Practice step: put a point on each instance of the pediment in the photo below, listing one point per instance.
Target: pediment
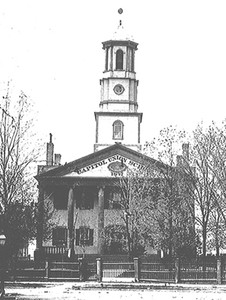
(112, 161)
(113, 165)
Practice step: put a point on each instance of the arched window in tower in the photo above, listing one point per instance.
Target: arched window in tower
(118, 130)
(119, 60)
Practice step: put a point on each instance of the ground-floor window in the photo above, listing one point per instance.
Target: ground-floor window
(59, 236)
(84, 236)
(115, 239)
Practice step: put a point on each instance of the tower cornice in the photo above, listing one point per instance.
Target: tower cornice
(111, 113)
(129, 43)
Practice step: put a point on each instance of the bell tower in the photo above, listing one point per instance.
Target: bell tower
(118, 119)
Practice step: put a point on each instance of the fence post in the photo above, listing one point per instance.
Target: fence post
(99, 270)
(177, 270)
(47, 270)
(219, 271)
(82, 269)
(136, 269)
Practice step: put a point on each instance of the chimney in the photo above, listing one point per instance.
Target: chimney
(49, 151)
(185, 151)
(57, 159)
(179, 160)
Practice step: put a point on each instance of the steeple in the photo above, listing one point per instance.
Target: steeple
(118, 119)
(121, 33)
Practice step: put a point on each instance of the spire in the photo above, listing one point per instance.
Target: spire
(120, 33)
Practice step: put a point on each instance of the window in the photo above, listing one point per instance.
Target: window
(59, 236)
(60, 196)
(84, 236)
(85, 197)
(112, 198)
(115, 239)
(119, 60)
(118, 130)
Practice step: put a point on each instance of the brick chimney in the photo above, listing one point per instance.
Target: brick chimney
(179, 160)
(49, 151)
(57, 159)
(185, 151)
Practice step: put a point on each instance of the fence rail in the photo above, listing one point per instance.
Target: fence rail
(118, 270)
(157, 272)
(137, 270)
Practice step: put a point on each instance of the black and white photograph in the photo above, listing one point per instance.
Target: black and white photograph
(113, 149)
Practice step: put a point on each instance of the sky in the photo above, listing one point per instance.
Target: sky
(52, 50)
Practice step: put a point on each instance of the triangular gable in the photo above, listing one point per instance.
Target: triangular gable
(115, 165)
(112, 161)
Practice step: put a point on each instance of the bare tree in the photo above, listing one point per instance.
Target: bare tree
(17, 154)
(171, 227)
(134, 201)
(200, 182)
(215, 137)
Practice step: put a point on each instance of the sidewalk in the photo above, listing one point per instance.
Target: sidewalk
(12, 287)
(19, 290)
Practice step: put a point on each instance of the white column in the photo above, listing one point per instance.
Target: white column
(100, 220)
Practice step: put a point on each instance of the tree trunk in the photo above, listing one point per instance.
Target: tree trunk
(217, 244)
(128, 235)
(204, 247)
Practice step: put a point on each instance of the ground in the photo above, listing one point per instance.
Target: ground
(95, 291)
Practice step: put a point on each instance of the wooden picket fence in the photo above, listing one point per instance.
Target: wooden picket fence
(138, 269)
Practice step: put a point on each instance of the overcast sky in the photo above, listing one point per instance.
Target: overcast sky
(51, 49)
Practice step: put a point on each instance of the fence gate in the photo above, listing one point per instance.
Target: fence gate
(118, 271)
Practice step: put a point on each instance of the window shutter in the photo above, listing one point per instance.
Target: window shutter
(91, 237)
(77, 237)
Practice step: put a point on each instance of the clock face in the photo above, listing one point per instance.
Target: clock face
(118, 89)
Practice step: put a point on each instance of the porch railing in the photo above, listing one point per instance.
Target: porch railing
(50, 250)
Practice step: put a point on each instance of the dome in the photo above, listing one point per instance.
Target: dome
(122, 34)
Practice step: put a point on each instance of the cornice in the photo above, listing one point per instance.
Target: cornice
(109, 113)
(129, 43)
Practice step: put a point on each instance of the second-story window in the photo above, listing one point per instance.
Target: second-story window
(59, 236)
(60, 196)
(85, 197)
(112, 198)
(119, 60)
(118, 130)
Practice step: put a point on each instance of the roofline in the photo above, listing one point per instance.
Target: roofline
(50, 173)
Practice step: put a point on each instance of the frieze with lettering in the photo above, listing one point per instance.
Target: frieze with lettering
(116, 164)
